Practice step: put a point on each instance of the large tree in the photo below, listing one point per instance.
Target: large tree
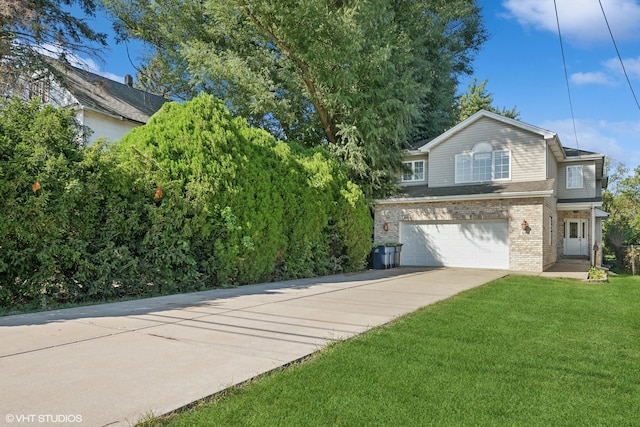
(477, 98)
(33, 29)
(622, 201)
(363, 77)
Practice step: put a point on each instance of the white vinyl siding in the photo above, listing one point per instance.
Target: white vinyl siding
(526, 152)
(588, 189)
(103, 126)
(574, 177)
(415, 172)
(552, 164)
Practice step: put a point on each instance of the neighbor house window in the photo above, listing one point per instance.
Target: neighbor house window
(40, 87)
(574, 176)
(414, 171)
(482, 164)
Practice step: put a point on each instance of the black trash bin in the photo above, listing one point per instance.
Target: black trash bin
(378, 257)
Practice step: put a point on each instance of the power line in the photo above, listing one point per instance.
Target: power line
(619, 57)
(566, 75)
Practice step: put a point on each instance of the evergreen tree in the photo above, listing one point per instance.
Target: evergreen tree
(477, 98)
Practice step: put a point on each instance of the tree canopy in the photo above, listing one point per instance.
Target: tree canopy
(622, 201)
(30, 29)
(362, 78)
(477, 98)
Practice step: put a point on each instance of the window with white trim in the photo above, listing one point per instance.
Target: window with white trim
(574, 177)
(40, 87)
(414, 171)
(482, 164)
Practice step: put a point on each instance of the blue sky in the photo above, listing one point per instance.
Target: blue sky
(522, 62)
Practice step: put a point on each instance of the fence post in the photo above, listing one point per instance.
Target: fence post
(633, 260)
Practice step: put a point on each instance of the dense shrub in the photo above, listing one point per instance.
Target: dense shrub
(38, 155)
(245, 207)
(194, 199)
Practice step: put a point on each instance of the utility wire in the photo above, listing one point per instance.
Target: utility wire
(566, 76)
(619, 57)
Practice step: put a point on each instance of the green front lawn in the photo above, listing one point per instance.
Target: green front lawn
(520, 351)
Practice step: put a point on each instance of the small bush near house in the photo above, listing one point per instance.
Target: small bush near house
(597, 274)
(195, 199)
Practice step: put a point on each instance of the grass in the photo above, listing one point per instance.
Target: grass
(520, 351)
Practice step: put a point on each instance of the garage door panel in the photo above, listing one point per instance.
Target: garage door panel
(462, 244)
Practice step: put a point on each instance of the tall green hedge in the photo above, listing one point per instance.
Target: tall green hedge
(194, 199)
(247, 207)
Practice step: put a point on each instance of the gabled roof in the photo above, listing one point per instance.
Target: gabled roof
(109, 97)
(551, 137)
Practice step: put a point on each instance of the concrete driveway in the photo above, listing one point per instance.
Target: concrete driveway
(115, 363)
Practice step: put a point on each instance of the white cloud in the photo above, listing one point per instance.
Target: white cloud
(616, 140)
(632, 65)
(581, 21)
(612, 75)
(92, 66)
(597, 77)
(88, 64)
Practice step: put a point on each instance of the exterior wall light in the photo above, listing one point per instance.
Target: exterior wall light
(385, 227)
(524, 224)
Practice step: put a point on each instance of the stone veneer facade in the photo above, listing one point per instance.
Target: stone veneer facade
(531, 250)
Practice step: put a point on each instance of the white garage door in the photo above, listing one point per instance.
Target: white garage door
(460, 244)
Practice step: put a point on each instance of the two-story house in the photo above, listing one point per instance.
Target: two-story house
(494, 192)
(108, 109)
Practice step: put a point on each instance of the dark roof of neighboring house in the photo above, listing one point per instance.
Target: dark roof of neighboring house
(475, 189)
(110, 97)
(574, 152)
(417, 144)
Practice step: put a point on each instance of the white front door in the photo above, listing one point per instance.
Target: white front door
(576, 237)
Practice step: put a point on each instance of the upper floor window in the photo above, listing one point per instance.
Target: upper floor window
(574, 176)
(40, 87)
(482, 164)
(414, 171)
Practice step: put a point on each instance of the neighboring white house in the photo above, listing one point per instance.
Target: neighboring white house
(108, 108)
(494, 192)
